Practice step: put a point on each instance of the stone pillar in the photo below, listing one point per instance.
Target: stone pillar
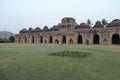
(110, 39)
(84, 39)
(90, 39)
(67, 39)
(100, 39)
(75, 37)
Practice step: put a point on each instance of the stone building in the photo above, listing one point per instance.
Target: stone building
(69, 32)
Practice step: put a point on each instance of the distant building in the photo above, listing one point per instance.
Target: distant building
(69, 32)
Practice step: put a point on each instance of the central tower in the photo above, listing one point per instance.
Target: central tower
(67, 23)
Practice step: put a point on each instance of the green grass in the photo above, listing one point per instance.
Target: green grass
(32, 62)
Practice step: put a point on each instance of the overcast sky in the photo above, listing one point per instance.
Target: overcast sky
(18, 14)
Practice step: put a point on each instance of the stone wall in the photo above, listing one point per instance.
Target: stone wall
(69, 32)
(89, 36)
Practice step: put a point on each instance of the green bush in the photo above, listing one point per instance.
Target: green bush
(4, 40)
(70, 54)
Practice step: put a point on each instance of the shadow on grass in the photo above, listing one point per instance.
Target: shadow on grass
(3, 76)
(75, 54)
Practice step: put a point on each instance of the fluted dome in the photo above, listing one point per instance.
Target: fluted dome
(114, 23)
(83, 26)
(98, 24)
(23, 31)
(30, 30)
(45, 28)
(54, 28)
(68, 20)
(37, 29)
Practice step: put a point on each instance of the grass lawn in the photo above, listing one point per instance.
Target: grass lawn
(32, 62)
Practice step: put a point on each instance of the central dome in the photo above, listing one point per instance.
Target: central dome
(68, 20)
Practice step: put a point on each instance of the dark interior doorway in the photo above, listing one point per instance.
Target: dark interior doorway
(33, 39)
(64, 39)
(79, 39)
(41, 39)
(87, 41)
(96, 39)
(115, 39)
(51, 40)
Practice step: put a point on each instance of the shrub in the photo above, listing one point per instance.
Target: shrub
(4, 40)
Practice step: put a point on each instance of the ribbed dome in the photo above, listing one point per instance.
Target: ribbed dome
(45, 28)
(23, 31)
(37, 29)
(114, 23)
(30, 30)
(83, 26)
(98, 24)
(68, 20)
(54, 28)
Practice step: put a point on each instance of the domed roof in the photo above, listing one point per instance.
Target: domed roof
(83, 26)
(37, 29)
(23, 31)
(98, 24)
(45, 28)
(55, 28)
(68, 20)
(114, 23)
(30, 30)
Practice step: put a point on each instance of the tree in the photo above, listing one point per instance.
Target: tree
(11, 39)
(89, 23)
(3, 40)
(104, 22)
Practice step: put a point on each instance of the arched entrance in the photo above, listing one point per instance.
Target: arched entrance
(45, 41)
(96, 39)
(41, 39)
(71, 41)
(105, 42)
(116, 39)
(33, 39)
(18, 40)
(56, 41)
(50, 40)
(79, 39)
(64, 40)
(25, 40)
(87, 41)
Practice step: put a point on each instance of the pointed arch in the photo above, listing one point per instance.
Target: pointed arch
(115, 39)
(25, 40)
(105, 42)
(64, 40)
(56, 41)
(96, 39)
(45, 41)
(33, 39)
(19, 40)
(79, 40)
(51, 39)
(71, 41)
(41, 39)
(87, 41)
